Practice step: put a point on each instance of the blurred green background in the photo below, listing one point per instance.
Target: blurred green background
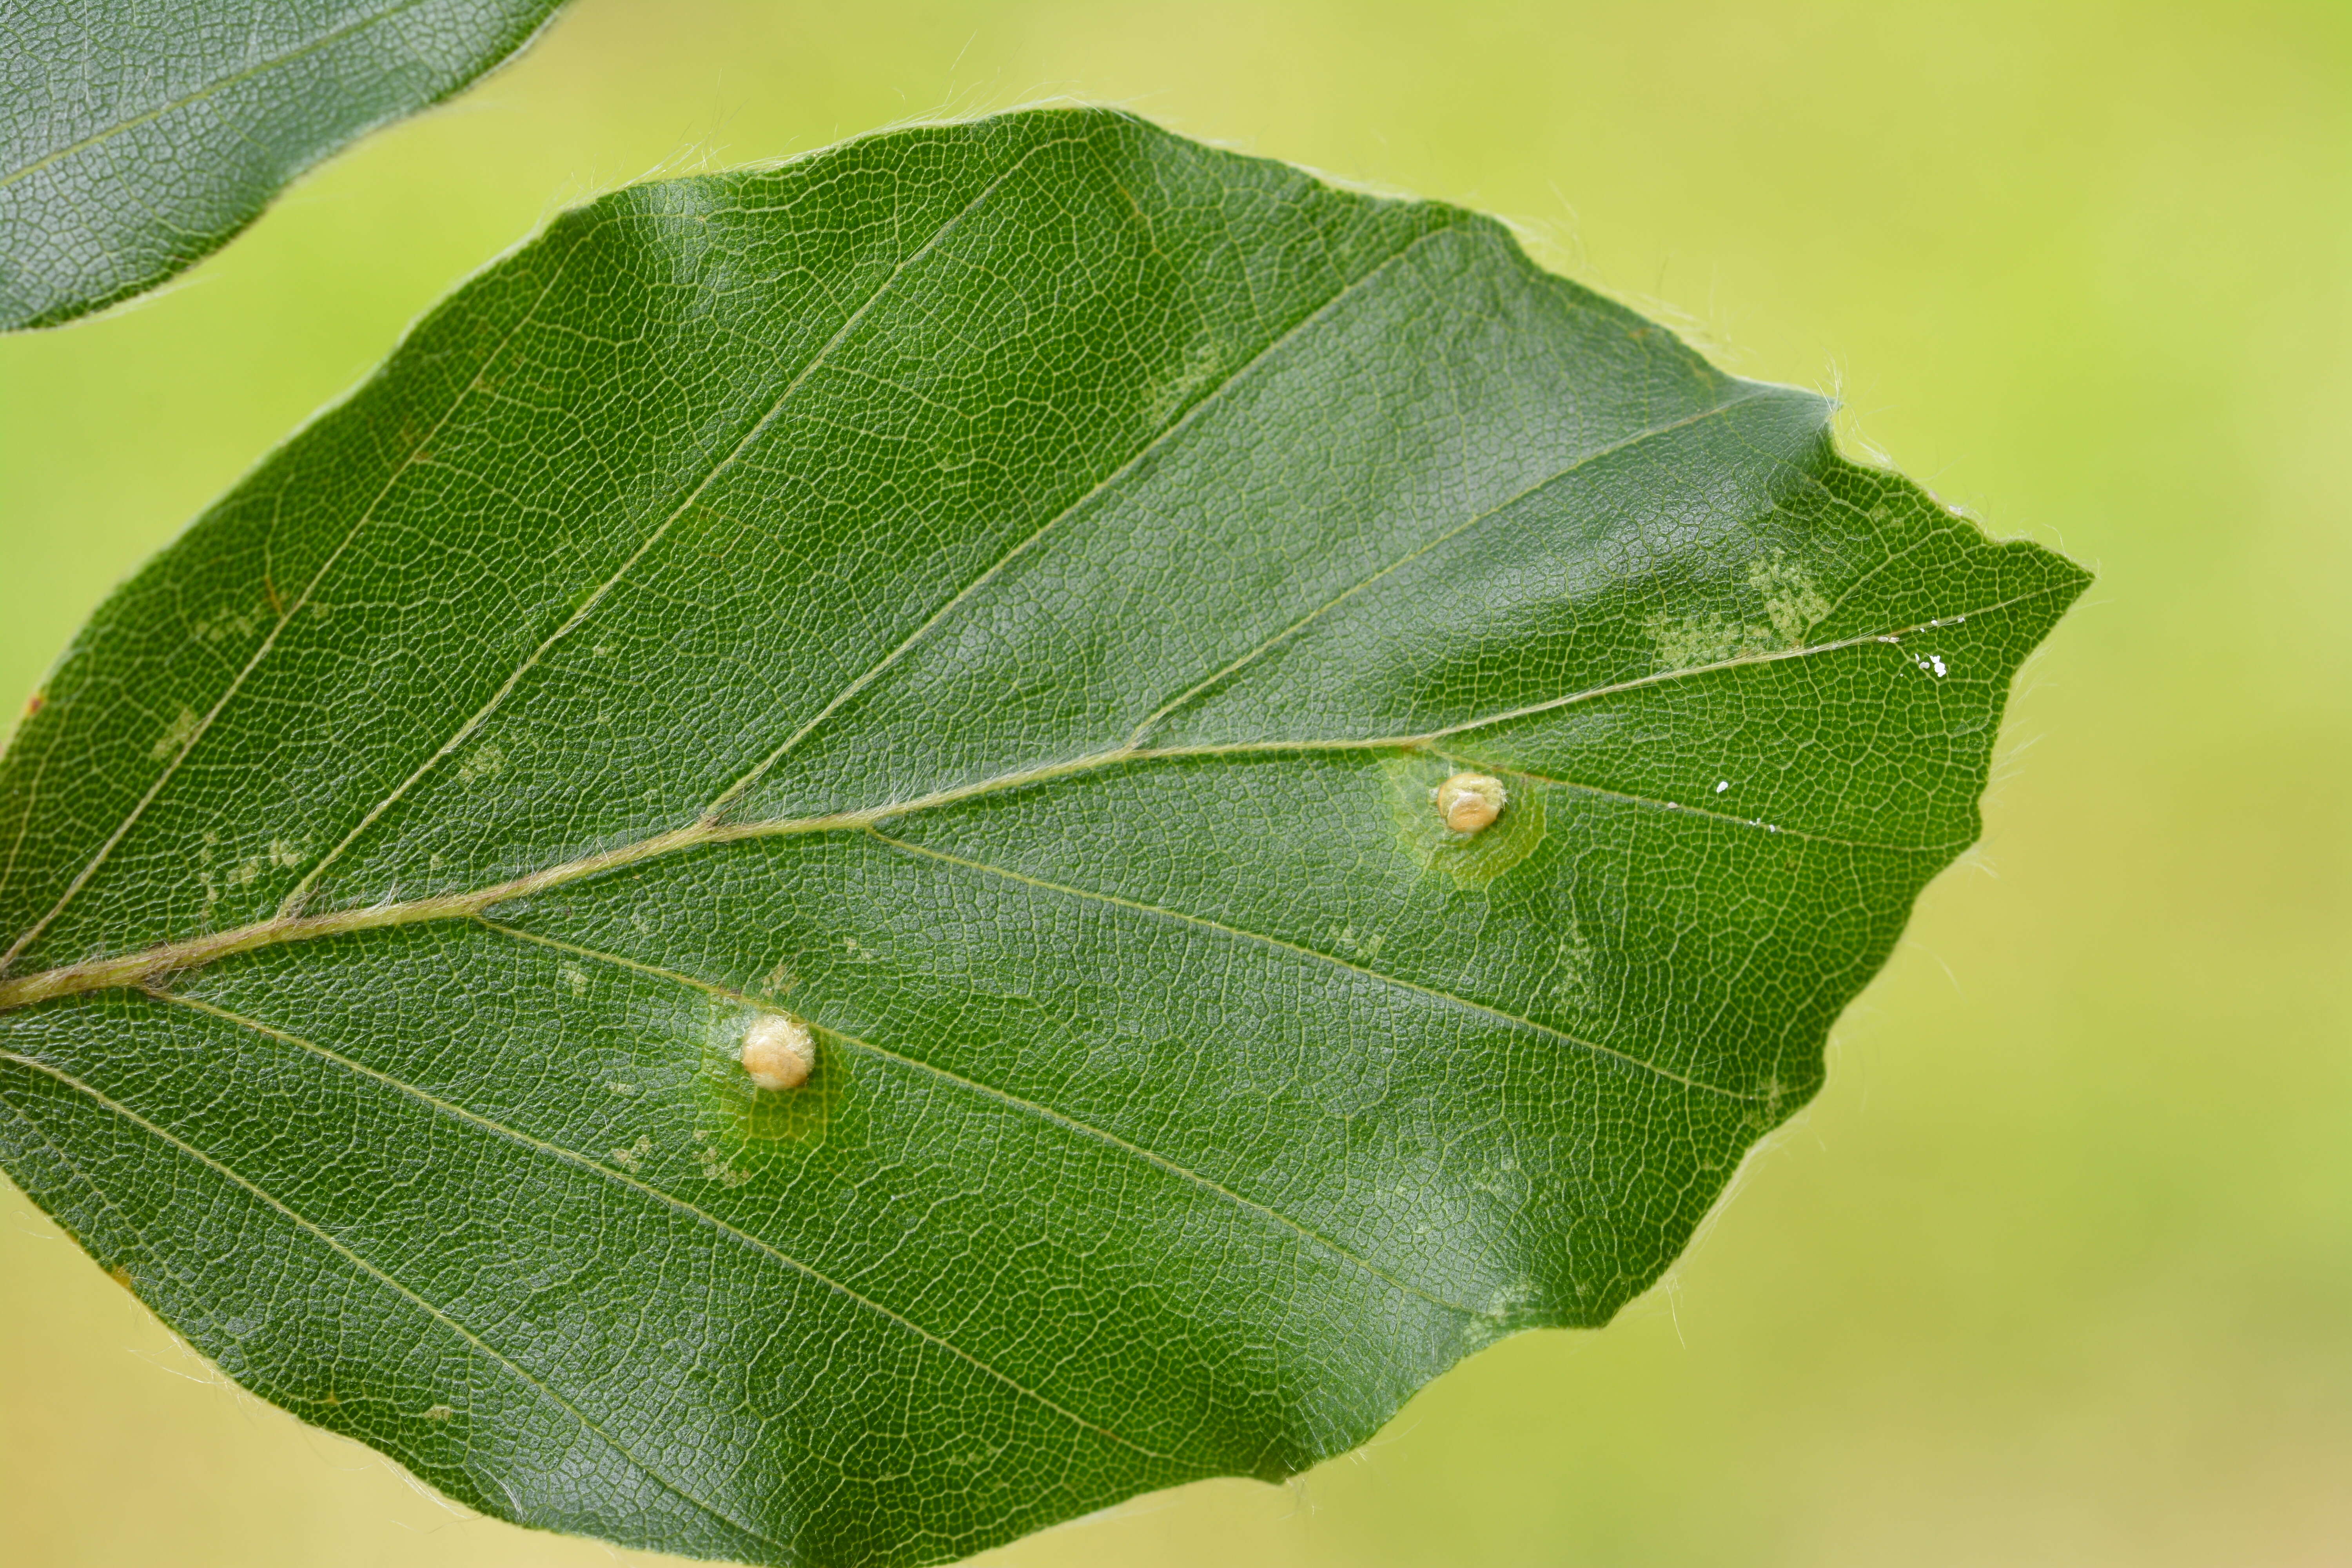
(2059, 1269)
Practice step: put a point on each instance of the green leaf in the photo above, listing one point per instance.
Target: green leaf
(137, 140)
(1002, 594)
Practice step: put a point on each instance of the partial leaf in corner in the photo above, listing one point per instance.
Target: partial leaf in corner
(884, 849)
(136, 139)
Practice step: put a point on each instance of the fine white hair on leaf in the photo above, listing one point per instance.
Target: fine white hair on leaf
(778, 1051)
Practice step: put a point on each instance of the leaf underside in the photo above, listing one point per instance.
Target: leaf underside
(137, 140)
(1004, 593)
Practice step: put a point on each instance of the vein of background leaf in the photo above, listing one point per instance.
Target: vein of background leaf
(1182, 1106)
(198, 94)
(137, 140)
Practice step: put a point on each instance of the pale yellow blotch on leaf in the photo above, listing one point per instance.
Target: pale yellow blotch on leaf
(1468, 802)
(176, 736)
(778, 1051)
(1447, 823)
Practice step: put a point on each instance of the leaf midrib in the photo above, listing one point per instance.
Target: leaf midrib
(149, 965)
